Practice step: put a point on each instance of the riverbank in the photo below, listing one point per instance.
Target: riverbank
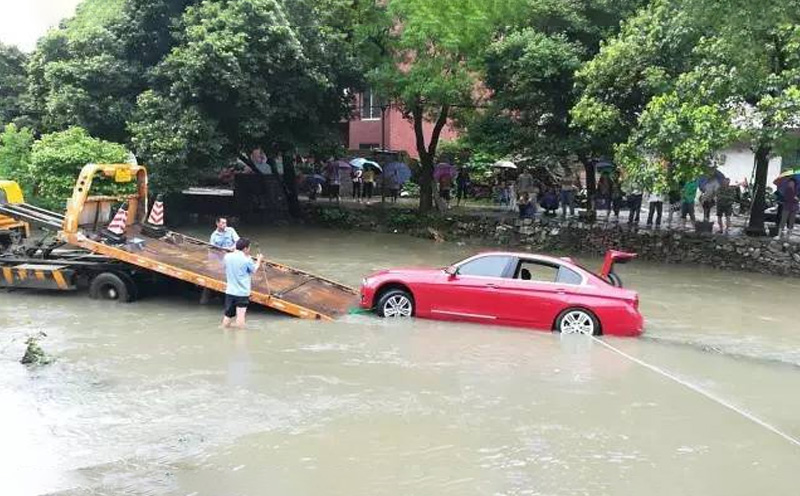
(734, 252)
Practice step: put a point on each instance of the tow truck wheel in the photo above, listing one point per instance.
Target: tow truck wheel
(112, 286)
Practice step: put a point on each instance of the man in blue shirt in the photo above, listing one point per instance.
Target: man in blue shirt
(223, 236)
(239, 270)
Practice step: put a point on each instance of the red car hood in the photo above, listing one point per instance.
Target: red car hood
(406, 271)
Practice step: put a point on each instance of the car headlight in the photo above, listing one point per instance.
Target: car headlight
(364, 282)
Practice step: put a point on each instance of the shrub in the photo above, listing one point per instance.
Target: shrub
(15, 154)
(57, 158)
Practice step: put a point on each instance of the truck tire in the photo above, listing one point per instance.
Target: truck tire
(112, 286)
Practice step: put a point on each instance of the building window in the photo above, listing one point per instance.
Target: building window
(368, 146)
(370, 105)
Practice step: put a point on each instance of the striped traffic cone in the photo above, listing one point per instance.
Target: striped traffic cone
(115, 232)
(154, 226)
(120, 221)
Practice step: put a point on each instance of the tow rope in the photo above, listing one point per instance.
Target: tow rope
(703, 392)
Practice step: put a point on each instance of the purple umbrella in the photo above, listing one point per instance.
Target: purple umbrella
(444, 169)
(341, 164)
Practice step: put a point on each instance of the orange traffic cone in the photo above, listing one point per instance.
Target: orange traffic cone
(154, 226)
(120, 221)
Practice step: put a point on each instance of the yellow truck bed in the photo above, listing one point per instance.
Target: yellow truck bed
(277, 286)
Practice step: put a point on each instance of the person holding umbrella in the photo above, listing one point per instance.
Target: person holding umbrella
(790, 207)
(357, 176)
(369, 183)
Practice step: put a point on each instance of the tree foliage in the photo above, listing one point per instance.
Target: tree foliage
(13, 77)
(431, 64)
(15, 154)
(57, 158)
(244, 74)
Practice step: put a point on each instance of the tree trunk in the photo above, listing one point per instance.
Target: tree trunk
(425, 183)
(290, 186)
(755, 226)
(427, 154)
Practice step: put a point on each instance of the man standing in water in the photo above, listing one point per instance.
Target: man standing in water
(223, 236)
(239, 270)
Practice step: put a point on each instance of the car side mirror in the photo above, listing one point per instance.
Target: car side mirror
(451, 271)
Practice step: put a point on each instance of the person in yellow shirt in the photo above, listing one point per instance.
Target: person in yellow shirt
(369, 183)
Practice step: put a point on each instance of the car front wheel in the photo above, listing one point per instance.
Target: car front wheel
(396, 303)
(577, 321)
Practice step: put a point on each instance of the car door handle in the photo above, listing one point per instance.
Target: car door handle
(561, 291)
(491, 286)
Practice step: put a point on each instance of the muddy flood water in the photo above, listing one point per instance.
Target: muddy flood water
(152, 398)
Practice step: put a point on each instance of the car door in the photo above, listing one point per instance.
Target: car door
(472, 291)
(537, 300)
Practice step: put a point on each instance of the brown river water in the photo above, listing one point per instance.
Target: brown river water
(152, 398)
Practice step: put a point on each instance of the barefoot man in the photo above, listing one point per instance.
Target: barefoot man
(239, 270)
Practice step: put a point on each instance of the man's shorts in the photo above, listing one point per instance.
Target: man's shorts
(724, 210)
(687, 208)
(444, 194)
(234, 302)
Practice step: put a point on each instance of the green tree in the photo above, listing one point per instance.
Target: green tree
(244, 74)
(15, 154)
(12, 82)
(57, 158)
(710, 60)
(531, 73)
(79, 77)
(430, 66)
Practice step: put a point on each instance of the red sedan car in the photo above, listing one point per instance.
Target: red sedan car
(512, 289)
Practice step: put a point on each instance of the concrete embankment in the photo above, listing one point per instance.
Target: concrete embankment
(763, 255)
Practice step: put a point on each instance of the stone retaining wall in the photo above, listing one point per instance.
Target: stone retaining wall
(763, 255)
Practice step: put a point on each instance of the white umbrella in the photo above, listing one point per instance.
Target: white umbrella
(504, 164)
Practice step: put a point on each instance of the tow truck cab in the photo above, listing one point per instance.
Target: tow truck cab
(10, 192)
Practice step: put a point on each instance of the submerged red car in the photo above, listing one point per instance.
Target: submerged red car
(511, 289)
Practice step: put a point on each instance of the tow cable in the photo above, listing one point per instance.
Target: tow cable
(701, 391)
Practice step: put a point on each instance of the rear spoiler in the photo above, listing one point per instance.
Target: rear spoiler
(612, 257)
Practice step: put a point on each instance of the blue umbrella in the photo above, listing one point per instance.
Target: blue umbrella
(399, 170)
(358, 163)
(703, 181)
(315, 179)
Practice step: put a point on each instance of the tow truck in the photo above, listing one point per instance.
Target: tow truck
(114, 267)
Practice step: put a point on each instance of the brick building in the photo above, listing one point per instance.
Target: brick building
(375, 125)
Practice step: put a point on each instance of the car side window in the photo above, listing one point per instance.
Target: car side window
(568, 276)
(530, 270)
(488, 266)
(536, 271)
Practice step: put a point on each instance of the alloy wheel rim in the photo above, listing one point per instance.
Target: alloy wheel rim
(397, 306)
(577, 322)
(112, 294)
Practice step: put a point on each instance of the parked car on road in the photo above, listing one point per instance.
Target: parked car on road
(514, 289)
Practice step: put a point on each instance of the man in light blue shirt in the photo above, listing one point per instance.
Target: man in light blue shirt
(239, 270)
(223, 236)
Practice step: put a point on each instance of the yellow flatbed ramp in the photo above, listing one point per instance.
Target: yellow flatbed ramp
(276, 286)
